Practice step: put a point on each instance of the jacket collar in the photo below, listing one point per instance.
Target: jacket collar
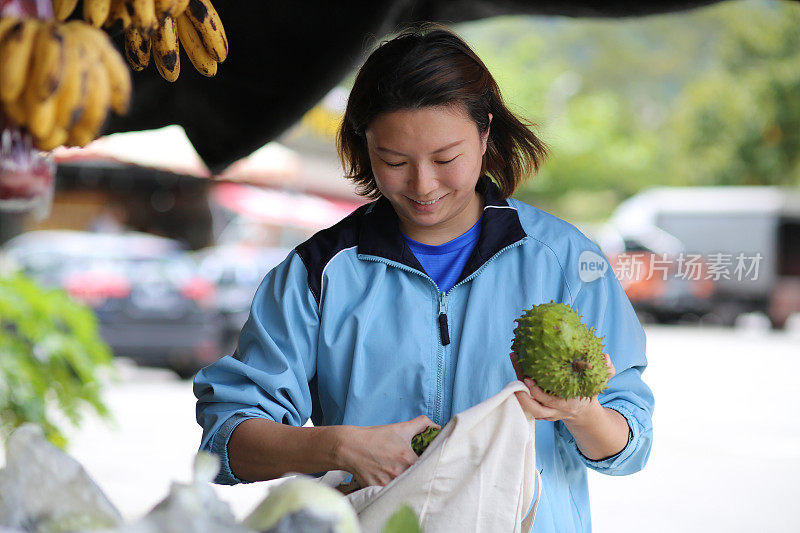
(379, 232)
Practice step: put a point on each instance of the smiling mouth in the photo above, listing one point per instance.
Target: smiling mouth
(427, 203)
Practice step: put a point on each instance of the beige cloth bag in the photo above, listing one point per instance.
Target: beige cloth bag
(477, 475)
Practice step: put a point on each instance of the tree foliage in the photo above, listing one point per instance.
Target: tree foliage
(703, 97)
(740, 124)
(51, 356)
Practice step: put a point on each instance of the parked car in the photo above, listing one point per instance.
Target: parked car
(151, 304)
(652, 267)
(235, 270)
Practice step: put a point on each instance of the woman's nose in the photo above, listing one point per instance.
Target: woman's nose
(423, 181)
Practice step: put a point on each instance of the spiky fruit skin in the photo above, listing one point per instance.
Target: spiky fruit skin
(560, 353)
(420, 441)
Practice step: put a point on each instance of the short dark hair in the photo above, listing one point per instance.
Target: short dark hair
(428, 65)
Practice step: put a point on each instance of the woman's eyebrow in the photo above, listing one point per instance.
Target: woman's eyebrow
(442, 149)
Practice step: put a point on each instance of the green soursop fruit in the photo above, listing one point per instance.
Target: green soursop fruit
(561, 354)
(403, 521)
(420, 441)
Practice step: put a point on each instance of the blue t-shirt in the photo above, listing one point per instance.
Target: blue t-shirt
(445, 262)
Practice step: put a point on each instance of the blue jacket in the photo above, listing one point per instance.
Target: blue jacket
(349, 329)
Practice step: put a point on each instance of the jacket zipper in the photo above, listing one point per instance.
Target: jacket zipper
(444, 334)
(435, 415)
(442, 319)
(443, 329)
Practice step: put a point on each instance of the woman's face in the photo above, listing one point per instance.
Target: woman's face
(433, 154)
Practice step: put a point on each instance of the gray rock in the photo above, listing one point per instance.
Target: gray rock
(43, 489)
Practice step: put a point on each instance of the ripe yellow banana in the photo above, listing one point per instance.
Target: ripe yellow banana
(63, 8)
(5, 24)
(178, 8)
(96, 108)
(41, 115)
(74, 76)
(137, 48)
(143, 16)
(190, 40)
(15, 111)
(119, 12)
(47, 61)
(166, 51)
(29, 112)
(56, 138)
(72, 93)
(163, 8)
(96, 12)
(209, 26)
(118, 74)
(15, 54)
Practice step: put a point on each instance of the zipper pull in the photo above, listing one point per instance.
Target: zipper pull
(443, 330)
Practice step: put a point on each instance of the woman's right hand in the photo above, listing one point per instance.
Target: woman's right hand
(375, 455)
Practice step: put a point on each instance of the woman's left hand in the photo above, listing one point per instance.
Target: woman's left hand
(542, 406)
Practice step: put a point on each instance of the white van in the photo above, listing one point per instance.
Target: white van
(749, 236)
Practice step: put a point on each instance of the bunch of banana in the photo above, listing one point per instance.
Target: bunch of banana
(198, 29)
(202, 36)
(159, 28)
(58, 80)
(144, 15)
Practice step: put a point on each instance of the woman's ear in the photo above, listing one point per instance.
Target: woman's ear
(485, 135)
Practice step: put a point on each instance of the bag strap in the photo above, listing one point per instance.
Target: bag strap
(527, 522)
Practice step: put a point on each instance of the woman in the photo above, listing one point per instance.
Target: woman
(401, 315)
